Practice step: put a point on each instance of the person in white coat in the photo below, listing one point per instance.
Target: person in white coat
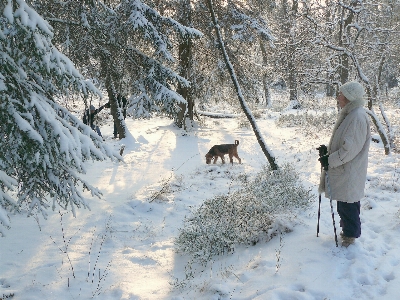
(347, 160)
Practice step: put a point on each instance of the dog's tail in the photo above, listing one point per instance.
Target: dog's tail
(236, 142)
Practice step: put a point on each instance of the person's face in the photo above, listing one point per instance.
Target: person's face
(342, 100)
(92, 111)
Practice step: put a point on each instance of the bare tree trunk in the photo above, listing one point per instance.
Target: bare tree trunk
(377, 93)
(330, 89)
(243, 104)
(266, 80)
(292, 81)
(344, 59)
(376, 121)
(267, 91)
(115, 109)
(290, 55)
(389, 129)
(185, 53)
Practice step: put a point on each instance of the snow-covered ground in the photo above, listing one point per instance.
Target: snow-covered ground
(123, 248)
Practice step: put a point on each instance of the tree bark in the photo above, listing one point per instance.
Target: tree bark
(246, 110)
(185, 53)
(115, 109)
(377, 94)
(290, 53)
(266, 80)
(344, 59)
(376, 121)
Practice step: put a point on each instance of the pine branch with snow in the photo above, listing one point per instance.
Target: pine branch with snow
(43, 146)
(130, 42)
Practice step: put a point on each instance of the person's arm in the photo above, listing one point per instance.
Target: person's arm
(107, 105)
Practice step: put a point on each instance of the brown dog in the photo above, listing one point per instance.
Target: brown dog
(220, 150)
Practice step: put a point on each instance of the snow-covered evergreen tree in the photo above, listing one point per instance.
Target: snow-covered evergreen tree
(126, 45)
(43, 147)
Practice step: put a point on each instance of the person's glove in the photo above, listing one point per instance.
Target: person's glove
(107, 105)
(323, 150)
(324, 161)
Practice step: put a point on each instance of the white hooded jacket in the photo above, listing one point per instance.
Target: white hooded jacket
(348, 154)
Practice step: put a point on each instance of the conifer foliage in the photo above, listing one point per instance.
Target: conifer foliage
(126, 45)
(43, 146)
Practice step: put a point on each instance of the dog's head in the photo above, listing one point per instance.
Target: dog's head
(208, 158)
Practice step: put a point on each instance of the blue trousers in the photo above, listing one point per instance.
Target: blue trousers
(97, 129)
(349, 218)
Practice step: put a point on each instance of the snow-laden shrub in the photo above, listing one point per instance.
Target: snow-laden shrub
(259, 210)
(309, 123)
(243, 122)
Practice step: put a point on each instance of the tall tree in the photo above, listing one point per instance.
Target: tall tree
(184, 15)
(289, 13)
(290, 55)
(242, 25)
(43, 147)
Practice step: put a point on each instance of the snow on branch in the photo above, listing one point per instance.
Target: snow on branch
(217, 115)
(44, 148)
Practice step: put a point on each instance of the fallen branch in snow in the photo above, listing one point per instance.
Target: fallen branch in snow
(217, 115)
(66, 244)
(163, 190)
(166, 182)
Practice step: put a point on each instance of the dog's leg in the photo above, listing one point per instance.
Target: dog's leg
(231, 153)
(215, 159)
(222, 158)
(238, 158)
(235, 154)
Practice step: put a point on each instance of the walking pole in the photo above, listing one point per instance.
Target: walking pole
(322, 151)
(319, 213)
(330, 198)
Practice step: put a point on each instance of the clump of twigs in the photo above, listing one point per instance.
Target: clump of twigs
(255, 212)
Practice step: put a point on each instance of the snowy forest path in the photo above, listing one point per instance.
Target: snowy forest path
(168, 157)
(146, 218)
